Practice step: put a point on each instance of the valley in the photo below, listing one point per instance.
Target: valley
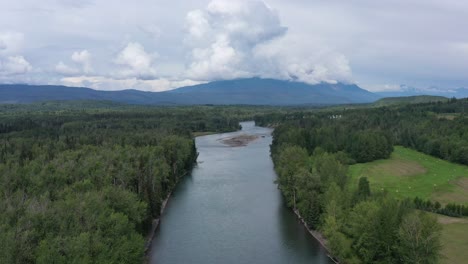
(339, 169)
(233, 131)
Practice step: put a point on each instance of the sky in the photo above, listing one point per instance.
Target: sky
(156, 45)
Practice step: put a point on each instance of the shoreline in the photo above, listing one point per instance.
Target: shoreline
(317, 235)
(154, 226)
(236, 141)
(156, 222)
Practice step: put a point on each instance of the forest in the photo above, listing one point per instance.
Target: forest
(81, 182)
(312, 150)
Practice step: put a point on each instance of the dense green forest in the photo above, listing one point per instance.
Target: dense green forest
(311, 152)
(417, 99)
(82, 181)
(83, 186)
(437, 129)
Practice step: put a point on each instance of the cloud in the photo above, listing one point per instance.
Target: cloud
(136, 62)
(152, 31)
(383, 87)
(219, 61)
(111, 84)
(197, 24)
(75, 3)
(64, 69)
(84, 58)
(14, 65)
(235, 39)
(80, 58)
(11, 42)
(223, 35)
(294, 59)
(384, 42)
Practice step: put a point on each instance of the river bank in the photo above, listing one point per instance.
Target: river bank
(317, 235)
(230, 204)
(154, 226)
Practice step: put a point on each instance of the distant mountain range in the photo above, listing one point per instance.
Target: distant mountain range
(411, 91)
(252, 91)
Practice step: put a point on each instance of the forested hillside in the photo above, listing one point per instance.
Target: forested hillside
(417, 99)
(82, 186)
(312, 150)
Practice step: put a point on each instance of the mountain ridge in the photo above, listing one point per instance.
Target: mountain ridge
(251, 91)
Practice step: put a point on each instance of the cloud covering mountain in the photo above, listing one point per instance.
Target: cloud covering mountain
(157, 45)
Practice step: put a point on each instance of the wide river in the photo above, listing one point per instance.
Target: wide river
(230, 211)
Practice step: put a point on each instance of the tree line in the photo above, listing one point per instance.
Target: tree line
(366, 134)
(360, 226)
(450, 209)
(82, 185)
(312, 149)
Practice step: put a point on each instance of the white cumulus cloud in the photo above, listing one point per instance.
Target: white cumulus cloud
(245, 38)
(223, 35)
(136, 62)
(14, 65)
(64, 69)
(422, 44)
(307, 61)
(84, 59)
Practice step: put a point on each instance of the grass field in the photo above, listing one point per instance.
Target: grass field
(408, 173)
(454, 239)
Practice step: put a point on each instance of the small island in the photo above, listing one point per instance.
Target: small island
(239, 141)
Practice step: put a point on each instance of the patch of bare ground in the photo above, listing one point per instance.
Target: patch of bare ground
(459, 194)
(447, 116)
(239, 141)
(402, 168)
(463, 184)
(445, 220)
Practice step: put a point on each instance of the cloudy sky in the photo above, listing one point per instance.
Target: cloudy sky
(160, 44)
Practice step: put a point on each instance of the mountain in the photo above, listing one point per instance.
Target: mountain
(273, 92)
(23, 93)
(411, 91)
(409, 100)
(252, 91)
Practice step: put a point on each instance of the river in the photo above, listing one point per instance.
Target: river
(230, 211)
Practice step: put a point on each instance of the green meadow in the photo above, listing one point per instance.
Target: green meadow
(409, 173)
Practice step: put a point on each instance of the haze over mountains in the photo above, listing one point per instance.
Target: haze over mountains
(412, 91)
(252, 91)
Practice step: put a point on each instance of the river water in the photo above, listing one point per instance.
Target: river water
(230, 211)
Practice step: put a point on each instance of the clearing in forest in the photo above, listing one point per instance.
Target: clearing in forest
(454, 239)
(409, 173)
